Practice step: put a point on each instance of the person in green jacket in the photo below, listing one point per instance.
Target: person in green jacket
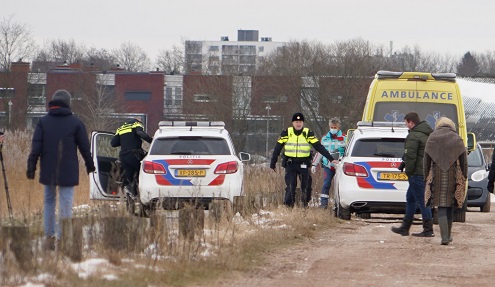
(413, 163)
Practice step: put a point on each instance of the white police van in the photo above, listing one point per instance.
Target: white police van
(187, 161)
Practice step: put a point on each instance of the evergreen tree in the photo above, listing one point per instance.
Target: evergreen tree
(468, 67)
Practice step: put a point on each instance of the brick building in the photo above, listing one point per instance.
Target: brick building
(254, 108)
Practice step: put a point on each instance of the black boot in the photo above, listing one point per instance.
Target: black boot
(444, 230)
(427, 229)
(404, 228)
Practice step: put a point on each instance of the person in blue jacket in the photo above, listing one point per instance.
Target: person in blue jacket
(56, 139)
(333, 141)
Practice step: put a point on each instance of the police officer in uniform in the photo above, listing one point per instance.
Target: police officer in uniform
(129, 137)
(297, 141)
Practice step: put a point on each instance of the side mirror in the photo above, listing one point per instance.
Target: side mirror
(471, 142)
(244, 156)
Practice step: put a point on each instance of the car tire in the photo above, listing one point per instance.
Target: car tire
(486, 206)
(344, 213)
(460, 213)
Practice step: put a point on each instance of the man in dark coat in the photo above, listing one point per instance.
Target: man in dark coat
(56, 139)
(413, 160)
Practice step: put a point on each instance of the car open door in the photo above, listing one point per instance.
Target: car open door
(104, 182)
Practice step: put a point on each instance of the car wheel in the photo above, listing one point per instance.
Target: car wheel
(344, 213)
(145, 211)
(364, 215)
(460, 213)
(486, 206)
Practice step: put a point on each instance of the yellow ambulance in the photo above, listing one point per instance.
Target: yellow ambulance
(432, 95)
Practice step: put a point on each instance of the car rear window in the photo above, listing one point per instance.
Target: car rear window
(190, 146)
(380, 147)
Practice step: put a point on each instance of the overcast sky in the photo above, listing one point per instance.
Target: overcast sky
(445, 26)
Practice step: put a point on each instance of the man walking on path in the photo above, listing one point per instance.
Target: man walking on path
(413, 160)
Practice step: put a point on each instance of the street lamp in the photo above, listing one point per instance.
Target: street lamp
(268, 108)
(10, 111)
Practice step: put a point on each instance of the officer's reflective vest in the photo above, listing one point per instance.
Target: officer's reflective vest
(297, 145)
(127, 127)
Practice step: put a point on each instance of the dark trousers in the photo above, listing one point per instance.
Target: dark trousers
(415, 196)
(130, 164)
(292, 172)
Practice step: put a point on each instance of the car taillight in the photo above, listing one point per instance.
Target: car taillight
(355, 170)
(227, 167)
(153, 167)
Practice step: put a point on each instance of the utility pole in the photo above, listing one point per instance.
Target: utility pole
(268, 108)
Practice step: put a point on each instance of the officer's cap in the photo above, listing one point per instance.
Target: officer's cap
(298, 117)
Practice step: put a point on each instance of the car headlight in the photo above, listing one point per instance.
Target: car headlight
(479, 175)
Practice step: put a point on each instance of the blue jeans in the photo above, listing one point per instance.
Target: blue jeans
(327, 182)
(64, 207)
(415, 196)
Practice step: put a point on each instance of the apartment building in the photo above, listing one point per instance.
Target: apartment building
(226, 57)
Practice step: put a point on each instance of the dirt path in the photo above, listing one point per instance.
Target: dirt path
(366, 253)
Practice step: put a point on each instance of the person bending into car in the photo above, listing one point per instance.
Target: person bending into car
(413, 161)
(297, 141)
(56, 139)
(129, 137)
(334, 140)
(445, 166)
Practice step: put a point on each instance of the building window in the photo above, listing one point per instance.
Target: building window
(261, 49)
(138, 96)
(178, 96)
(204, 98)
(214, 49)
(230, 50)
(275, 99)
(168, 96)
(7, 92)
(36, 101)
(247, 50)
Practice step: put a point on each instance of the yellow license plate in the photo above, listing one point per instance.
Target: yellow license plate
(191, 172)
(391, 176)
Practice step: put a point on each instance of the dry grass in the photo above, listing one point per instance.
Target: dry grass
(156, 251)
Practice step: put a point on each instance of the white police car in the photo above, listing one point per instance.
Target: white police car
(367, 180)
(187, 161)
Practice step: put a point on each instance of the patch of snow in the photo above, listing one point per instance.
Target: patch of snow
(82, 207)
(110, 277)
(29, 284)
(483, 91)
(88, 267)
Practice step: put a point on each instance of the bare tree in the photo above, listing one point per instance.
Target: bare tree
(66, 51)
(58, 52)
(99, 107)
(99, 58)
(486, 63)
(132, 58)
(16, 42)
(413, 59)
(171, 61)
